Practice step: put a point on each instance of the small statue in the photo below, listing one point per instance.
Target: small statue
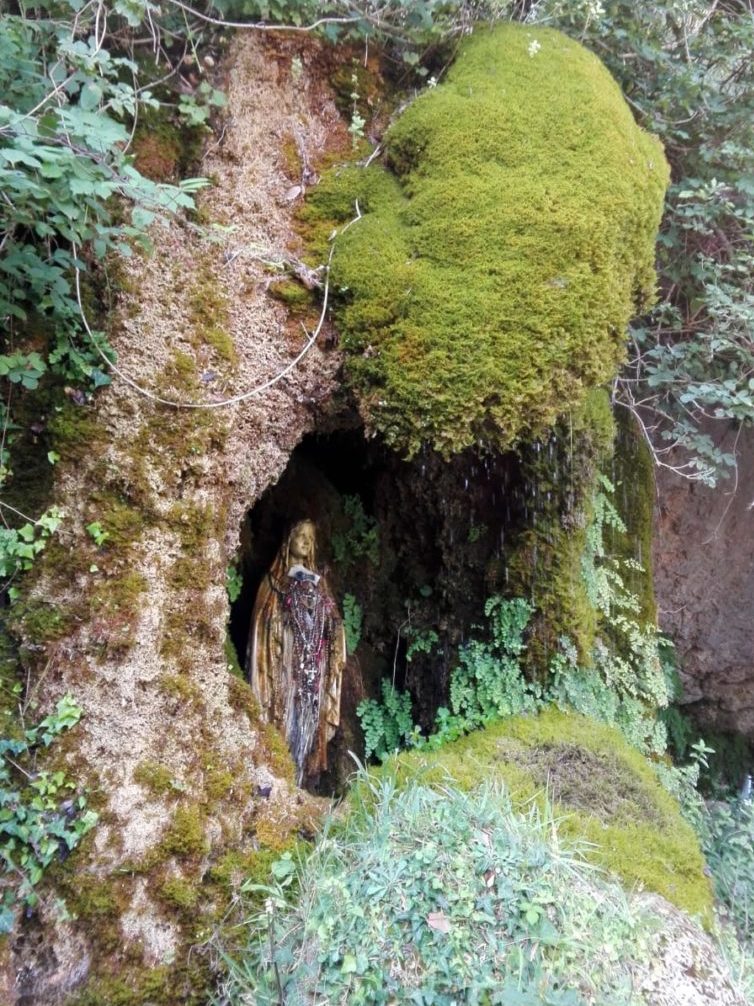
(297, 652)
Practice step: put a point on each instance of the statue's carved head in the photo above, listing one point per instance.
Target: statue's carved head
(301, 544)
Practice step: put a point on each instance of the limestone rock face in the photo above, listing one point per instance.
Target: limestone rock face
(685, 968)
(190, 786)
(704, 578)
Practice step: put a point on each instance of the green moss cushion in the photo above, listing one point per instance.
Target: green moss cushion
(605, 791)
(500, 257)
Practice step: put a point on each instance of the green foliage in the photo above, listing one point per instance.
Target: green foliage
(62, 165)
(587, 690)
(23, 368)
(420, 641)
(488, 683)
(387, 725)
(357, 123)
(233, 583)
(686, 65)
(728, 839)
(42, 816)
(72, 93)
(490, 277)
(20, 546)
(605, 792)
(625, 685)
(682, 782)
(97, 533)
(441, 897)
(361, 538)
(196, 108)
(412, 28)
(352, 621)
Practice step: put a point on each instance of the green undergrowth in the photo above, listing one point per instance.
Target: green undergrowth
(437, 894)
(606, 792)
(501, 253)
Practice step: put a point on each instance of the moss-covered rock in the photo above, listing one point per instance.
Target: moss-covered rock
(545, 562)
(607, 793)
(633, 473)
(495, 267)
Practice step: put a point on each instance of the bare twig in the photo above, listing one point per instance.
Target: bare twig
(7, 506)
(260, 25)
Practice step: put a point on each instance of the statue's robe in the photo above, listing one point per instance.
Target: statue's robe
(308, 720)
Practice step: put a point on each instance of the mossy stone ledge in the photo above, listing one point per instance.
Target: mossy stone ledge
(605, 793)
(501, 251)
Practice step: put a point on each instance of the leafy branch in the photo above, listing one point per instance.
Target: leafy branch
(42, 815)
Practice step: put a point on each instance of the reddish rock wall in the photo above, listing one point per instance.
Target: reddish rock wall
(704, 577)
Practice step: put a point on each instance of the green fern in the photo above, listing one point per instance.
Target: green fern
(488, 682)
(353, 617)
(360, 540)
(389, 725)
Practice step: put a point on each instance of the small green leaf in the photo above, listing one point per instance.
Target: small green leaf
(349, 965)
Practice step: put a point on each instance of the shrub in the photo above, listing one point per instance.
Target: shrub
(42, 815)
(728, 836)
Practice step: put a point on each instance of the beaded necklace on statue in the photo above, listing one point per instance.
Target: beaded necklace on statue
(306, 613)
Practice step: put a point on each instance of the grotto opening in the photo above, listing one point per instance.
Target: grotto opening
(411, 550)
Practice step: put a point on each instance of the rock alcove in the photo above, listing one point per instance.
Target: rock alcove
(418, 545)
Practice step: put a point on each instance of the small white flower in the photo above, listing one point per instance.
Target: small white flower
(432, 82)
(269, 906)
(534, 47)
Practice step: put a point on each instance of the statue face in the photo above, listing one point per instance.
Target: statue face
(301, 542)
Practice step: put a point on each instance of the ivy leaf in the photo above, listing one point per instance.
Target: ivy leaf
(90, 96)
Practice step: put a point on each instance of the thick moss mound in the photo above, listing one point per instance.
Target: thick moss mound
(496, 265)
(606, 792)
